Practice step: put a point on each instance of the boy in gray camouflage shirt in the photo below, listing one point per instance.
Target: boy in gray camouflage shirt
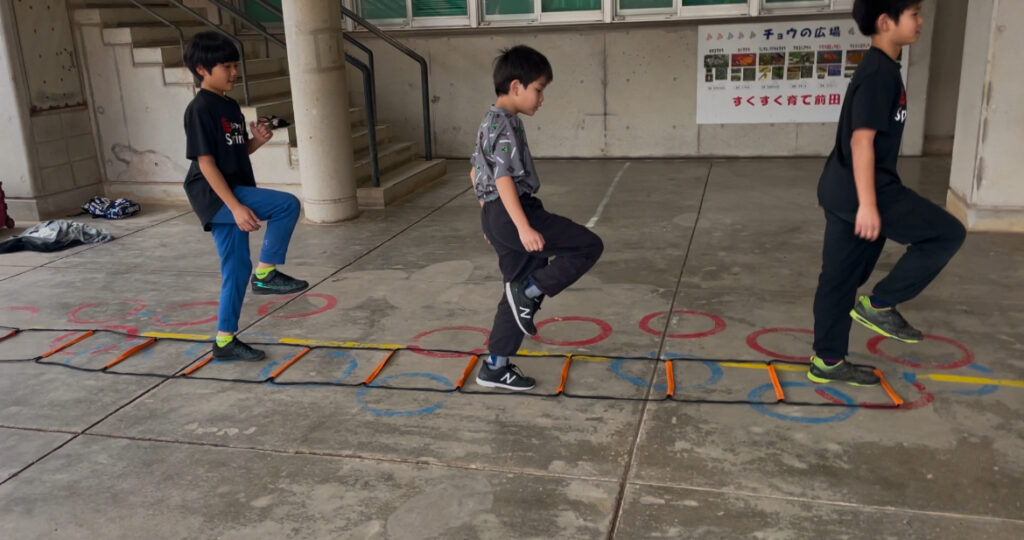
(525, 236)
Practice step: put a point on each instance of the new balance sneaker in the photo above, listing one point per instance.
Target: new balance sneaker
(277, 283)
(844, 371)
(886, 321)
(236, 350)
(523, 307)
(508, 377)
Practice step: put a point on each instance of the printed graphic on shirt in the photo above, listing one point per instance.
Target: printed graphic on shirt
(234, 132)
(901, 112)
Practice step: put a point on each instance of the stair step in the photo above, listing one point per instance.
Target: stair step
(400, 182)
(389, 156)
(258, 67)
(168, 52)
(262, 86)
(140, 34)
(131, 14)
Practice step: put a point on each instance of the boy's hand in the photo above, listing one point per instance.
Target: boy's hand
(245, 218)
(531, 239)
(869, 223)
(260, 132)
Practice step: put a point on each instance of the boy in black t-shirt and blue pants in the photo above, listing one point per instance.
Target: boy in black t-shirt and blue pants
(222, 190)
(865, 203)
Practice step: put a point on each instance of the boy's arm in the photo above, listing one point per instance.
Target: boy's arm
(244, 216)
(531, 239)
(868, 224)
(260, 135)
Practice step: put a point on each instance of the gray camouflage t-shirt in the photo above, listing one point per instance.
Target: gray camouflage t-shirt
(501, 150)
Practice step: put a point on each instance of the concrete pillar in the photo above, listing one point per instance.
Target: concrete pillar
(986, 190)
(316, 64)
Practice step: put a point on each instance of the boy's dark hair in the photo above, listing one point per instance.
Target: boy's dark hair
(519, 63)
(208, 49)
(867, 12)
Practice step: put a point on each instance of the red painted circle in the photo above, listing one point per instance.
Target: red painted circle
(31, 309)
(604, 330)
(923, 400)
(967, 357)
(73, 314)
(752, 342)
(160, 320)
(719, 324)
(434, 354)
(330, 303)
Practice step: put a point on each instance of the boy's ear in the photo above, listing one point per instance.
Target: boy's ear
(515, 87)
(202, 71)
(883, 23)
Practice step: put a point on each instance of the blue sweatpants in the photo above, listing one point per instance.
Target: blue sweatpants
(281, 211)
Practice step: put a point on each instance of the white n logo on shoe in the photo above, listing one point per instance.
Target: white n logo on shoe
(508, 378)
(524, 312)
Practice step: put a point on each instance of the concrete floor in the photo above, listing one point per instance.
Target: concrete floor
(101, 455)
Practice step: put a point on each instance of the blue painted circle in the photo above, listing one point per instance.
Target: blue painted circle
(361, 395)
(350, 368)
(713, 378)
(843, 414)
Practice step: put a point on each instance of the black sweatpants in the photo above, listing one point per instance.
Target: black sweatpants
(570, 249)
(932, 235)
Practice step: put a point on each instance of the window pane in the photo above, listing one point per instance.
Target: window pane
(383, 9)
(549, 6)
(260, 13)
(645, 4)
(711, 2)
(784, 2)
(507, 7)
(438, 8)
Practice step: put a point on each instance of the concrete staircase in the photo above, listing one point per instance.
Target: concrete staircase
(138, 83)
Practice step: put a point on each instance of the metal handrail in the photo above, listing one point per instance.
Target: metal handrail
(425, 87)
(181, 35)
(371, 117)
(225, 33)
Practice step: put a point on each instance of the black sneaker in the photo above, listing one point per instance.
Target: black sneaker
(887, 321)
(844, 371)
(236, 350)
(277, 283)
(523, 307)
(508, 377)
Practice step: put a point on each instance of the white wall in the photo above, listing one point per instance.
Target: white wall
(944, 75)
(619, 91)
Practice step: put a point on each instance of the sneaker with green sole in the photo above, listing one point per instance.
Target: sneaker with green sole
(887, 321)
(845, 372)
(277, 283)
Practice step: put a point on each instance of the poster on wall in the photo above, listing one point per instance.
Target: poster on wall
(776, 71)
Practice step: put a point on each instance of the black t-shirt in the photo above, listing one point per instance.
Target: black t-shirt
(875, 99)
(215, 126)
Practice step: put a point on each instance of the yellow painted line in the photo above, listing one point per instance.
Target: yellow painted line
(973, 380)
(778, 367)
(349, 344)
(198, 337)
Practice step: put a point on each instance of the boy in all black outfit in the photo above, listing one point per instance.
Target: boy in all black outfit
(222, 191)
(865, 203)
(524, 235)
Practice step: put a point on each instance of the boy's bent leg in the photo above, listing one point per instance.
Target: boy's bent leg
(933, 235)
(281, 212)
(574, 247)
(847, 262)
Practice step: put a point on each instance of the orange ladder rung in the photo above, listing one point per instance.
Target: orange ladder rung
(124, 356)
(195, 367)
(896, 400)
(466, 372)
(379, 368)
(289, 363)
(779, 395)
(68, 344)
(565, 375)
(670, 379)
